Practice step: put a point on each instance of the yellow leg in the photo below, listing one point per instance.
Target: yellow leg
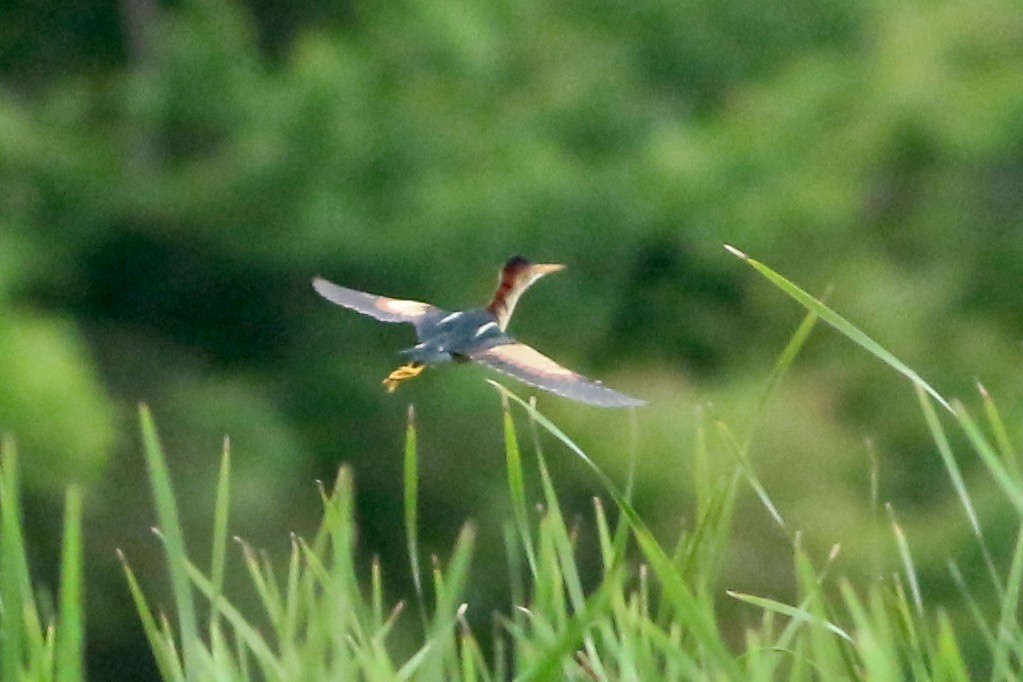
(403, 373)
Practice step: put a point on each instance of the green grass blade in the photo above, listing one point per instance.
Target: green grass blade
(875, 646)
(452, 582)
(840, 324)
(831, 658)
(559, 536)
(515, 572)
(266, 590)
(293, 599)
(908, 566)
(791, 611)
(170, 524)
(71, 633)
(785, 359)
(949, 658)
(976, 612)
(958, 482)
(1008, 625)
(411, 472)
(1010, 486)
(218, 558)
(13, 565)
(163, 651)
(948, 459)
(24, 638)
(1001, 434)
(516, 485)
(740, 453)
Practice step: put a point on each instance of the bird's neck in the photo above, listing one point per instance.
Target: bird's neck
(507, 295)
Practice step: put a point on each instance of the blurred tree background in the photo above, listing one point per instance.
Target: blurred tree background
(172, 174)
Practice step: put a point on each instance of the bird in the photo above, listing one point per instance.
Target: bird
(477, 335)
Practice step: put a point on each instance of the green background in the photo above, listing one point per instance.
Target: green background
(172, 175)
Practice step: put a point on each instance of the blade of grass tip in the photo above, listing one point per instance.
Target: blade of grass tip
(700, 621)
(784, 640)
(453, 581)
(1001, 434)
(908, 566)
(71, 634)
(320, 541)
(293, 600)
(423, 662)
(269, 596)
(170, 523)
(833, 660)
(751, 476)
(516, 484)
(890, 613)
(958, 483)
(167, 635)
(795, 612)
(1007, 623)
(21, 624)
(218, 559)
(992, 461)
(603, 533)
(376, 593)
(163, 651)
(839, 323)
(273, 587)
(789, 354)
(948, 459)
(411, 473)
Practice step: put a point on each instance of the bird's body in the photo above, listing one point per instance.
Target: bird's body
(477, 335)
(453, 336)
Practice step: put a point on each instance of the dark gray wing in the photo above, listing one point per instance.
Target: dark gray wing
(380, 307)
(536, 369)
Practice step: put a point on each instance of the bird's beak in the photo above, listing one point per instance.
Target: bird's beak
(542, 269)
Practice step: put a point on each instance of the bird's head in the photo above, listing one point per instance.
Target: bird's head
(522, 272)
(517, 275)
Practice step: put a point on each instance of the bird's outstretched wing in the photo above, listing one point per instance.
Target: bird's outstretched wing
(533, 367)
(380, 307)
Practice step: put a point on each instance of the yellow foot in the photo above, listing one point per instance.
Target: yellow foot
(403, 373)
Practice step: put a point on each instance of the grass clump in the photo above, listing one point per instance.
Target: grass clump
(651, 612)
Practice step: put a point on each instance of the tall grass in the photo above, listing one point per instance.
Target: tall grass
(651, 614)
(35, 642)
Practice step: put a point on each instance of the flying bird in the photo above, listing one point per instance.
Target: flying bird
(477, 335)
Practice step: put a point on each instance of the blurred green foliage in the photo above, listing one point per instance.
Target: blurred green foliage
(173, 174)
